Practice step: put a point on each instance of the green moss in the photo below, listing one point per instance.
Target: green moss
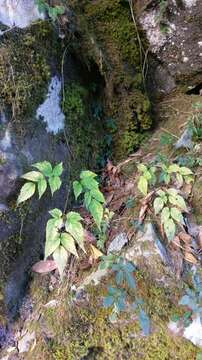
(83, 329)
(109, 37)
(24, 78)
(83, 129)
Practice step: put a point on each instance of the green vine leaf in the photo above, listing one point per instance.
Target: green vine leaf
(179, 201)
(26, 192)
(75, 228)
(165, 215)
(97, 195)
(87, 199)
(56, 213)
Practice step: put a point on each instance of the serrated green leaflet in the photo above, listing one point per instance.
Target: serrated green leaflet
(143, 185)
(60, 256)
(176, 215)
(34, 176)
(89, 183)
(86, 173)
(77, 232)
(165, 214)
(96, 211)
(142, 167)
(77, 189)
(73, 216)
(69, 243)
(58, 169)
(170, 228)
(97, 195)
(45, 167)
(179, 201)
(42, 186)
(87, 199)
(158, 205)
(56, 213)
(26, 192)
(55, 184)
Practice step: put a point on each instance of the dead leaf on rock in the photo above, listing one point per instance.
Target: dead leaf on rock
(96, 253)
(199, 237)
(44, 266)
(190, 258)
(186, 238)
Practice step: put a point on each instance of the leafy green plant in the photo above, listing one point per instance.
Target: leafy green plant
(53, 11)
(169, 214)
(182, 174)
(168, 173)
(147, 177)
(167, 139)
(46, 175)
(117, 296)
(63, 232)
(195, 122)
(93, 199)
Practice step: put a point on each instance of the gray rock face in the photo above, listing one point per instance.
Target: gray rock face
(174, 35)
(19, 13)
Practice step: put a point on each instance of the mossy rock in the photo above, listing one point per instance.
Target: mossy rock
(25, 68)
(82, 330)
(109, 37)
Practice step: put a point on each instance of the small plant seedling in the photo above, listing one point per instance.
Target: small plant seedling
(53, 11)
(46, 175)
(93, 198)
(62, 233)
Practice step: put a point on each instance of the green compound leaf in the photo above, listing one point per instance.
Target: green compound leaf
(68, 242)
(158, 205)
(174, 168)
(143, 185)
(45, 167)
(77, 189)
(89, 183)
(55, 183)
(52, 235)
(60, 256)
(42, 186)
(170, 228)
(96, 210)
(34, 176)
(26, 192)
(58, 169)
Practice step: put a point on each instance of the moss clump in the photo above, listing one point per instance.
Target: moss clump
(25, 68)
(108, 35)
(83, 330)
(82, 129)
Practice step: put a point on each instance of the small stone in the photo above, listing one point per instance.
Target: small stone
(118, 243)
(26, 342)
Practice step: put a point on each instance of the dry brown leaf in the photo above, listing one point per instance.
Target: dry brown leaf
(199, 237)
(147, 198)
(190, 258)
(176, 243)
(96, 254)
(44, 266)
(142, 213)
(186, 238)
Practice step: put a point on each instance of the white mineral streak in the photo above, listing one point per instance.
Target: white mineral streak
(190, 3)
(50, 111)
(193, 332)
(19, 13)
